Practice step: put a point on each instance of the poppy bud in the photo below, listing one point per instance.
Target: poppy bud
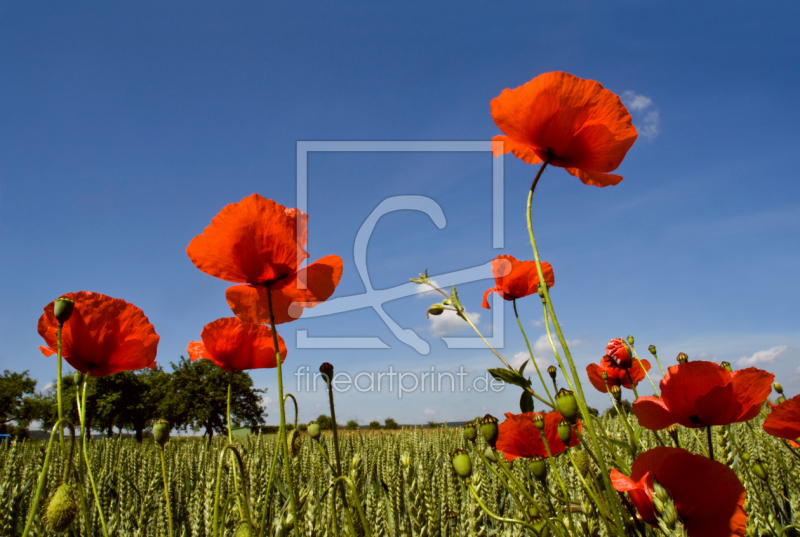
(77, 378)
(490, 429)
(581, 463)
(538, 420)
(630, 340)
(564, 432)
(489, 454)
(422, 280)
(616, 391)
(462, 464)
(470, 432)
(604, 375)
(567, 404)
(62, 509)
(778, 387)
(294, 442)
(761, 470)
(327, 371)
(436, 309)
(447, 302)
(313, 429)
(652, 349)
(552, 372)
(62, 309)
(245, 529)
(780, 400)
(682, 358)
(745, 456)
(538, 467)
(161, 432)
(533, 512)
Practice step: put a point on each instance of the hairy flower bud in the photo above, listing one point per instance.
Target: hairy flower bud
(761, 469)
(462, 464)
(62, 309)
(538, 467)
(564, 432)
(161, 430)
(62, 509)
(682, 358)
(778, 387)
(435, 309)
(470, 432)
(313, 429)
(77, 378)
(327, 371)
(567, 404)
(489, 429)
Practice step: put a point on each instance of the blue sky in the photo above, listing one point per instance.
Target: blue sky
(125, 128)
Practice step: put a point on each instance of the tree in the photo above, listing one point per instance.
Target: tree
(389, 423)
(324, 422)
(374, 425)
(17, 401)
(352, 425)
(197, 395)
(432, 425)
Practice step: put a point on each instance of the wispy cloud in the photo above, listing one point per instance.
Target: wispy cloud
(448, 322)
(520, 358)
(538, 322)
(642, 107)
(429, 411)
(764, 357)
(542, 345)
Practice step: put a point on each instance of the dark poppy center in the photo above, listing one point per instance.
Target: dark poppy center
(696, 421)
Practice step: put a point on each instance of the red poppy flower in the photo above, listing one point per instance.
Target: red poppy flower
(707, 494)
(516, 279)
(784, 420)
(697, 394)
(519, 436)
(262, 244)
(616, 376)
(103, 335)
(620, 352)
(572, 123)
(235, 345)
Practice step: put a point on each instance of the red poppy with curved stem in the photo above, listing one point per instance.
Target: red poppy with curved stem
(698, 394)
(103, 335)
(260, 243)
(235, 345)
(707, 494)
(620, 352)
(519, 436)
(567, 121)
(516, 279)
(784, 420)
(616, 376)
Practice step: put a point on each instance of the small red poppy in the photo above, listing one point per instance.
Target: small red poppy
(262, 244)
(696, 394)
(784, 420)
(519, 436)
(516, 279)
(616, 376)
(573, 123)
(103, 335)
(707, 494)
(620, 352)
(235, 345)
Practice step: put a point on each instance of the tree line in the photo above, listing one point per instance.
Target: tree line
(193, 396)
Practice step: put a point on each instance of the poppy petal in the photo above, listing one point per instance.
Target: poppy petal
(47, 351)
(751, 387)
(253, 241)
(595, 178)
(653, 413)
(197, 351)
(235, 345)
(595, 377)
(685, 382)
(523, 152)
(784, 419)
(519, 437)
(485, 303)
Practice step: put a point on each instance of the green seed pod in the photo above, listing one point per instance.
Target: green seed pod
(604, 375)
(461, 463)
(761, 470)
(581, 463)
(682, 358)
(489, 454)
(470, 432)
(447, 302)
(727, 366)
(77, 378)
(161, 430)
(294, 442)
(533, 512)
(435, 309)
(489, 429)
(616, 391)
(62, 309)
(552, 372)
(778, 387)
(567, 404)
(652, 349)
(313, 429)
(673, 432)
(538, 467)
(62, 509)
(245, 529)
(538, 420)
(630, 340)
(564, 431)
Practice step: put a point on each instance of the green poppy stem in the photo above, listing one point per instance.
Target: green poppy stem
(282, 430)
(166, 489)
(710, 443)
(86, 454)
(530, 352)
(58, 384)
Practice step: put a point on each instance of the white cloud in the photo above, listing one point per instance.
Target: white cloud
(520, 358)
(426, 291)
(706, 357)
(542, 346)
(538, 322)
(47, 386)
(448, 322)
(267, 400)
(649, 124)
(429, 411)
(764, 357)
